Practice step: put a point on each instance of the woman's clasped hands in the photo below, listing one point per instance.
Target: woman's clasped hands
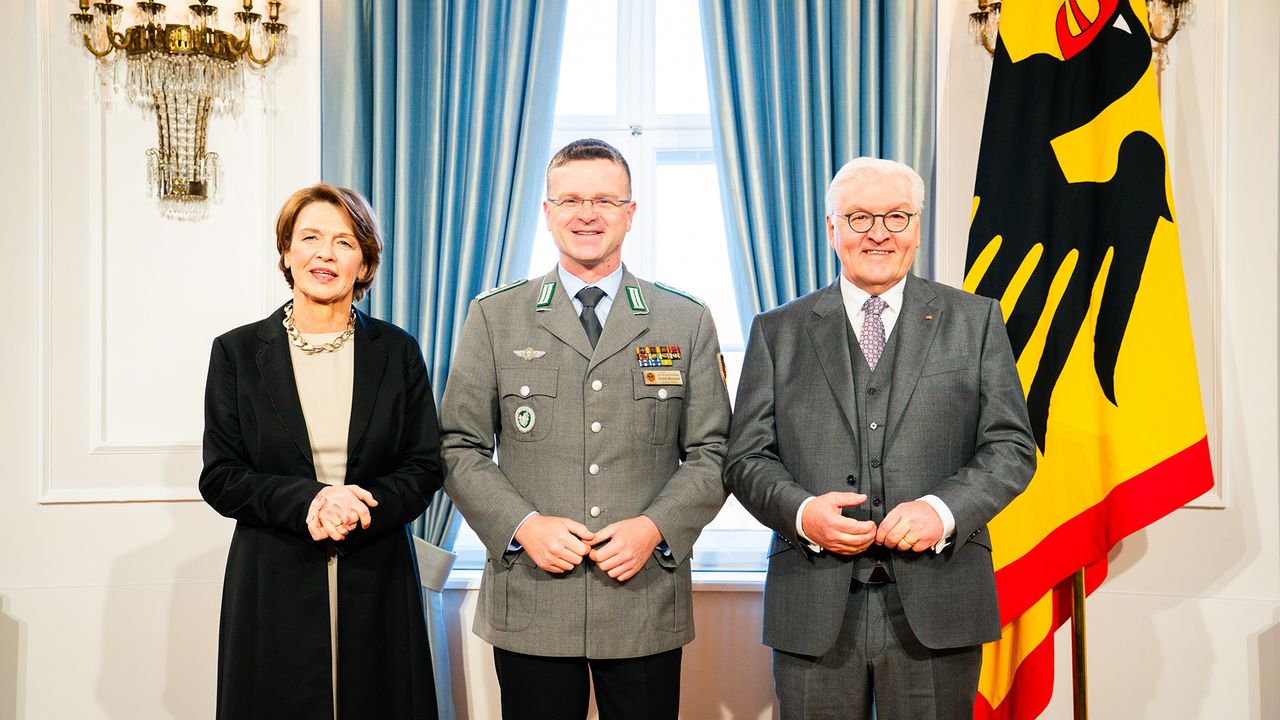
(336, 510)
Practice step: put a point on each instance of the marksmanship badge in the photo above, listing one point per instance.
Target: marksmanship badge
(525, 418)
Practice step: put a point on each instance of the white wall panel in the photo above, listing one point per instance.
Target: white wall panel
(131, 298)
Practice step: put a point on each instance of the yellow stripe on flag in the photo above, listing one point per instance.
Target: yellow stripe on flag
(1001, 659)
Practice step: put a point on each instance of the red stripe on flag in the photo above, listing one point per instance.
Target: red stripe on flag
(1032, 685)
(1089, 536)
(1032, 688)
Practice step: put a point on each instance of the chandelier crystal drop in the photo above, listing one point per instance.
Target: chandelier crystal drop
(183, 72)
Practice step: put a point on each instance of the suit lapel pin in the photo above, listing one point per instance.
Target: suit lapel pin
(529, 354)
(928, 317)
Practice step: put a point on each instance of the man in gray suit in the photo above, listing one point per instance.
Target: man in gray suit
(604, 398)
(880, 423)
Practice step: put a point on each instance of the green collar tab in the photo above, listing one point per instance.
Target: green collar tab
(547, 292)
(636, 299)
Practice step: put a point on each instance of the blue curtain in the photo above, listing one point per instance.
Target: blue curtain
(441, 113)
(800, 87)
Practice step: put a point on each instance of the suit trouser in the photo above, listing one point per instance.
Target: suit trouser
(877, 658)
(535, 687)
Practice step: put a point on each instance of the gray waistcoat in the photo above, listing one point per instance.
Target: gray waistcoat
(871, 396)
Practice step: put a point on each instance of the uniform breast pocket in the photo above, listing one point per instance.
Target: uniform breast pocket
(657, 409)
(528, 402)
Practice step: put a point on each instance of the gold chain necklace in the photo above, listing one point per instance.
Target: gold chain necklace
(296, 338)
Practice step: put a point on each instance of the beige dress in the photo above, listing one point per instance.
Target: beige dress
(325, 381)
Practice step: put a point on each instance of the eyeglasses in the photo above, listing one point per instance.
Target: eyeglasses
(861, 222)
(600, 204)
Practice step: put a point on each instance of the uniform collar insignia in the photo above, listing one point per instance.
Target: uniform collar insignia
(636, 299)
(544, 296)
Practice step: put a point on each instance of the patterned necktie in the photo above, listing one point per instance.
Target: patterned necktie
(872, 339)
(589, 296)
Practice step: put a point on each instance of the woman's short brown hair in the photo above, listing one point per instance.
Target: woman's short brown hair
(358, 211)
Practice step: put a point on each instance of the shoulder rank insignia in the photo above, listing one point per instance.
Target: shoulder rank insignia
(635, 298)
(681, 293)
(501, 289)
(547, 292)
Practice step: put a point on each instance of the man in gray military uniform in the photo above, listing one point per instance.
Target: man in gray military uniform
(604, 398)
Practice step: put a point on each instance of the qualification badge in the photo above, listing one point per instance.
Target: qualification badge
(657, 355)
(525, 418)
(529, 354)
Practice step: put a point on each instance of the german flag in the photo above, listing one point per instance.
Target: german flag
(1074, 233)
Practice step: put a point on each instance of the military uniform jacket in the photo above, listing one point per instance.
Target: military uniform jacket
(583, 434)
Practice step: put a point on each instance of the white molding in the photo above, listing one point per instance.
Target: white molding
(468, 580)
(54, 496)
(1219, 495)
(143, 448)
(88, 455)
(43, 192)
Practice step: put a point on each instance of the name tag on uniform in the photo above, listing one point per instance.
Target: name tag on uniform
(663, 377)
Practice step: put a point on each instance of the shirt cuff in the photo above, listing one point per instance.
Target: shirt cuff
(800, 526)
(512, 545)
(948, 521)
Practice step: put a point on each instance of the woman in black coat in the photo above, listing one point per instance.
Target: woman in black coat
(321, 443)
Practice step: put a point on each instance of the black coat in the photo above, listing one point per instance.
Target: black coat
(273, 644)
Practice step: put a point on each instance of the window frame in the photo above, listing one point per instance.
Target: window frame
(642, 134)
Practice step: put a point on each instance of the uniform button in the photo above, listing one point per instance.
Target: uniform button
(876, 502)
(595, 426)
(594, 469)
(524, 391)
(596, 385)
(875, 463)
(871, 391)
(662, 393)
(851, 480)
(873, 426)
(595, 511)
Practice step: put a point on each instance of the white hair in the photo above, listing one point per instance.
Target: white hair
(877, 167)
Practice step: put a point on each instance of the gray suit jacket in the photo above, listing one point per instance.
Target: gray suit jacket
(957, 428)
(523, 382)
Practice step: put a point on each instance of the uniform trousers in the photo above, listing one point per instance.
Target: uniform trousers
(877, 659)
(535, 687)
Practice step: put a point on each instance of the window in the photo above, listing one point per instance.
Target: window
(632, 74)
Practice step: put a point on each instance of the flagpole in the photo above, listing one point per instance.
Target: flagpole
(1080, 695)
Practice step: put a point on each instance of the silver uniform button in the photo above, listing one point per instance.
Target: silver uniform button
(595, 426)
(595, 511)
(594, 469)
(873, 426)
(662, 393)
(524, 391)
(596, 385)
